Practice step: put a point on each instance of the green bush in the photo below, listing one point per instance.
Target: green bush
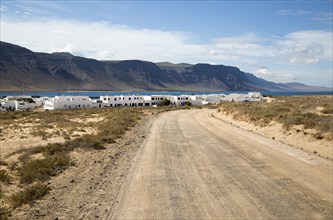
(165, 102)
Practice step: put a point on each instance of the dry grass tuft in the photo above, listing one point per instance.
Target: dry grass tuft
(28, 195)
(42, 169)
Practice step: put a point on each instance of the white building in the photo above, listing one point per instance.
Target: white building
(249, 97)
(121, 100)
(70, 102)
(154, 100)
(18, 103)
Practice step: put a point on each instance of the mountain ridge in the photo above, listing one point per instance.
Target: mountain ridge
(57, 71)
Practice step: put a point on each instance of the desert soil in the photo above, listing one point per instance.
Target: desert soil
(188, 164)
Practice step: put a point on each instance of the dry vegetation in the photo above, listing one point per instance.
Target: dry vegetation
(23, 173)
(310, 112)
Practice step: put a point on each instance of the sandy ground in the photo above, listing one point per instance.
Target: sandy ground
(19, 135)
(194, 166)
(297, 136)
(89, 189)
(188, 164)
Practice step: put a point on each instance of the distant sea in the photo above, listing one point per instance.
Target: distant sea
(96, 94)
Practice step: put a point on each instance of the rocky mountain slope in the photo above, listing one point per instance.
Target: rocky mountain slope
(59, 71)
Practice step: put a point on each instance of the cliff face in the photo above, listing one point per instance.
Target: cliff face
(57, 71)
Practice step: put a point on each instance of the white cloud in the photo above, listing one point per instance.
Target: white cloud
(306, 54)
(293, 12)
(3, 8)
(69, 48)
(102, 40)
(27, 13)
(263, 72)
(93, 38)
(105, 55)
(288, 77)
(326, 17)
(307, 47)
(212, 52)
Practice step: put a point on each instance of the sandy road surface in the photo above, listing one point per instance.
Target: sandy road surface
(194, 166)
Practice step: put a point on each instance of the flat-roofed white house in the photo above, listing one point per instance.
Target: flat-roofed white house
(69, 102)
(7, 105)
(18, 103)
(249, 97)
(197, 100)
(154, 100)
(180, 100)
(123, 100)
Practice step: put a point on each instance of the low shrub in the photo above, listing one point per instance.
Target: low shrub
(3, 163)
(42, 169)
(4, 177)
(165, 102)
(28, 195)
(3, 213)
(86, 142)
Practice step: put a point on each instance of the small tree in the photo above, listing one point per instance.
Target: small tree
(165, 102)
(188, 103)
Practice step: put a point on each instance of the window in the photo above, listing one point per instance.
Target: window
(110, 105)
(79, 106)
(152, 98)
(129, 98)
(115, 99)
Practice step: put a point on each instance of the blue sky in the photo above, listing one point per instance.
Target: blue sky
(281, 41)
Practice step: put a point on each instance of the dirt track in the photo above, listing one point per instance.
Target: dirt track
(194, 166)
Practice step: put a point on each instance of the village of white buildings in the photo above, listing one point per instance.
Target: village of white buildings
(25, 103)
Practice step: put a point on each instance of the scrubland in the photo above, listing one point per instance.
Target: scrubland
(305, 122)
(311, 112)
(25, 170)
